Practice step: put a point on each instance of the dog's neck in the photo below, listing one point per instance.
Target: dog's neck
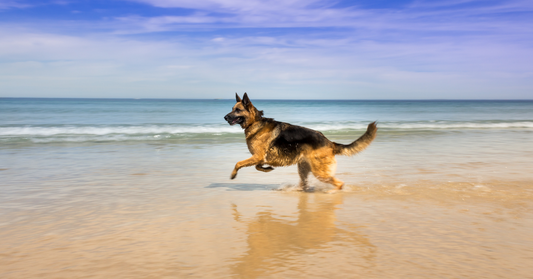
(253, 128)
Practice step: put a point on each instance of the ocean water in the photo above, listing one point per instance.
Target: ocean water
(140, 188)
(95, 121)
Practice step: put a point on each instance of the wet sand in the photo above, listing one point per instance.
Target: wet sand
(261, 233)
(170, 211)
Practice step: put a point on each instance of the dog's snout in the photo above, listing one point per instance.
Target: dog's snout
(226, 117)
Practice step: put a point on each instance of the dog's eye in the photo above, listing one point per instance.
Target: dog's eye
(237, 110)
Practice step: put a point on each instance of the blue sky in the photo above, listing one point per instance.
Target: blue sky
(292, 49)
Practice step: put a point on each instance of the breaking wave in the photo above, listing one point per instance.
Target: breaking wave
(81, 133)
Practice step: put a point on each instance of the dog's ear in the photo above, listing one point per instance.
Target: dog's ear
(237, 97)
(246, 101)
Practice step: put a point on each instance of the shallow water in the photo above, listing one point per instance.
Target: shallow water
(419, 203)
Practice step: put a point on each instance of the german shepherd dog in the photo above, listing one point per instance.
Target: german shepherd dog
(279, 144)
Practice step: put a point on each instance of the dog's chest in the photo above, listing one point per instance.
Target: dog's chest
(260, 141)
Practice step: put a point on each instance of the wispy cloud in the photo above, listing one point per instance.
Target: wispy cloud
(446, 16)
(8, 4)
(240, 6)
(453, 49)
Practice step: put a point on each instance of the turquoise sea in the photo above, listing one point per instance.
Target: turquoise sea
(133, 188)
(29, 122)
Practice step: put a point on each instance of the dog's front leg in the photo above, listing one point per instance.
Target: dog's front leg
(245, 163)
(260, 167)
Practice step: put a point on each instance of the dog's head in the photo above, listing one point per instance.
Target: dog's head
(243, 112)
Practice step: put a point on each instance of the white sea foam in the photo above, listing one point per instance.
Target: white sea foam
(108, 130)
(162, 130)
(430, 125)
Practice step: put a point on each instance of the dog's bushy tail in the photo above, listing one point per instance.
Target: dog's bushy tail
(360, 144)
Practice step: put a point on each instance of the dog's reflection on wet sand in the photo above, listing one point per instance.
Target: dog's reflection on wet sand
(274, 241)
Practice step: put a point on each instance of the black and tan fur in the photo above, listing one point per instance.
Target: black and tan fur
(277, 144)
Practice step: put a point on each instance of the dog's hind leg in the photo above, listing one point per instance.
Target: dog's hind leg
(303, 170)
(324, 170)
(333, 181)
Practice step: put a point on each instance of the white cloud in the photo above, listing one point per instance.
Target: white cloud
(414, 52)
(8, 4)
(421, 15)
(252, 13)
(61, 65)
(249, 6)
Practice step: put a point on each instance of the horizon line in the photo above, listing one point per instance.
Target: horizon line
(224, 99)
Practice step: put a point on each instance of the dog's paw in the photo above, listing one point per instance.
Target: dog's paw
(267, 169)
(302, 188)
(233, 175)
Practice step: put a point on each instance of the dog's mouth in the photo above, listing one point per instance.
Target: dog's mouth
(236, 120)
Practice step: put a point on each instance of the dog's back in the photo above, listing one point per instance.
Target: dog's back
(292, 142)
